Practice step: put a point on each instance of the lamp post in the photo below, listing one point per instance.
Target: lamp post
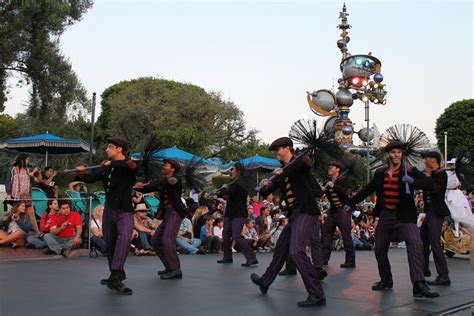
(445, 149)
(92, 127)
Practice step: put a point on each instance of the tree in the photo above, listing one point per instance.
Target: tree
(458, 120)
(180, 114)
(29, 46)
(8, 127)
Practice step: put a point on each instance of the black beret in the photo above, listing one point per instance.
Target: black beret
(336, 164)
(433, 154)
(281, 142)
(119, 141)
(393, 144)
(176, 166)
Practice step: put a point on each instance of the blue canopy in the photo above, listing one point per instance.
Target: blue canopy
(176, 154)
(256, 162)
(46, 144)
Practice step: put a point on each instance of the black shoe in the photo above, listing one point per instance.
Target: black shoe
(325, 263)
(29, 246)
(321, 273)
(201, 252)
(66, 253)
(176, 274)
(122, 277)
(442, 279)
(427, 273)
(313, 301)
(224, 260)
(381, 285)
(250, 262)
(118, 286)
(348, 265)
(163, 272)
(421, 289)
(287, 272)
(257, 280)
(48, 251)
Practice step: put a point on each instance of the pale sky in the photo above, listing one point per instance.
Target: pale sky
(265, 55)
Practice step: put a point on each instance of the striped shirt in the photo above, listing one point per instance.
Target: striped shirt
(333, 198)
(391, 196)
(289, 197)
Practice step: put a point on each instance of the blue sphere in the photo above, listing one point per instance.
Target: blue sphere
(378, 78)
(347, 130)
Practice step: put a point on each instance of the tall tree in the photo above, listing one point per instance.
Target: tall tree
(29, 46)
(180, 114)
(458, 120)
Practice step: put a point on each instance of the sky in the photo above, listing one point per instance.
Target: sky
(265, 55)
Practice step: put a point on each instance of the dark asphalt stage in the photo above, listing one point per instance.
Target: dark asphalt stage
(71, 287)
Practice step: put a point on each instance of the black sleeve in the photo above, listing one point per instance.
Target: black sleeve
(297, 166)
(365, 192)
(129, 164)
(421, 182)
(94, 176)
(341, 186)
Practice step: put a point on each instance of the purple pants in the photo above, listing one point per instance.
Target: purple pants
(431, 236)
(292, 241)
(316, 250)
(233, 230)
(117, 229)
(341, 219)
(410, 234)
(163, 241)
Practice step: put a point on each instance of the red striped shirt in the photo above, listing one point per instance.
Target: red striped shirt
(391, 197)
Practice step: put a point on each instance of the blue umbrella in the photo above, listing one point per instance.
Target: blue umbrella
(46, 144)
(256, 162)
(176, 153)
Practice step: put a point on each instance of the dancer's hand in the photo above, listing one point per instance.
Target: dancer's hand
(106, 163)
(408, 179)
(265, 182)
(278, 171)
(139, 185)
(330, 184)
(81, 168)
(347, 208)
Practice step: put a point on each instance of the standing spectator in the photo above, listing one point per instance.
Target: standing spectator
(146, 228)
(198, 219)
(185, 239)
(49, 184)
(256, 205)
(18, 186)
(45, 226)
(211, 243)
(65, 232)
(18, 226)
(97, 239)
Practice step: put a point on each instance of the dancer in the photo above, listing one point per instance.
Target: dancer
(118, 175)
(172, 211)
(235, 216)
(335, 190)
(436, 210)
(396, 205)
(294, 181)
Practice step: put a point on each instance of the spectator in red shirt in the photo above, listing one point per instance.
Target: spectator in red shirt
(45, 225)
(65, 232)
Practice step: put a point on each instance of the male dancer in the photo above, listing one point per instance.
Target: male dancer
(294, 181)
(436, 210)
(394, 206)
(336, 192)
(172, 211)
(118, 176)
(235, 216)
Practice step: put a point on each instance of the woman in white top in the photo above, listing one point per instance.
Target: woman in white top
(97, 237)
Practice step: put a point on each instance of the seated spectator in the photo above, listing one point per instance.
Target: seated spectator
(198, 219)
(45, 226)
(282, 222)
(18, 226)
(185, 239)
(218, 228)
(97, 236)
(250, 233)
(77, 186)
(265, 212)
(205, 200)
(65, 232)
(145, 227)
(137, 198)
(250, 212)
(219, 213)
(211, 243)
(49, 184)
(264, 237)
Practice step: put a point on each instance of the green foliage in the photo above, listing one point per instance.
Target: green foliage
(29, 43)
(8, 126)
(180, 114)
(458, 120)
